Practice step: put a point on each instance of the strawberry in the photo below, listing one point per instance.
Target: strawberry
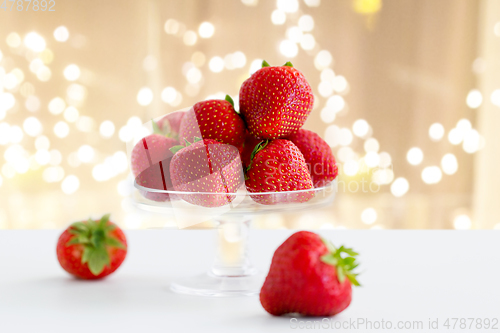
(278, 166)
(275, 101)
(206, 166)
(310, 276)
(318, 155)
(171, 123)
(92, 249)
(216, 120)
(149, 151)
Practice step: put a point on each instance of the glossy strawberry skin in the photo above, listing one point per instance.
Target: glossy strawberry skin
(70, 256)
(207, 166)
(275, 102)
(299, 282)
(318, 156)
(149, 151)
(213, 119)
(279, 167)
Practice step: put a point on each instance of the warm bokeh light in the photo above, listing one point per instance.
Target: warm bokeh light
(107, 129)
(474, 99)
(288, 48)
(449, 164)
(400, 187)
(61, 34)
(360, 128)
(415, 156)
(216, 64)
(369, 216)
(145, 96)
(371, 145)
(288, 6)
(72, 72)
(206, 30)
(436, 132)
(432, 175)
(462, 222)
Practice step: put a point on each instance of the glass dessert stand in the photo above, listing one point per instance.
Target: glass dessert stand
(232, 273)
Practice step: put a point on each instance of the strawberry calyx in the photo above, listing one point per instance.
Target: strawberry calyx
(230, 100)
(344, 261)
(261, 145)
(156, 128)
(288, 64)
(175, 149)
(95, 236)
(265, 64)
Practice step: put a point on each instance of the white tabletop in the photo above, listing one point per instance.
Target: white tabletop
(407, 276)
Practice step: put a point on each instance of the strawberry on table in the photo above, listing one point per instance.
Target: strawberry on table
(277, 166)
(206, 166)
(275, 101)
(216, 120)
(318, 156)
(310, 276)
(92, 249)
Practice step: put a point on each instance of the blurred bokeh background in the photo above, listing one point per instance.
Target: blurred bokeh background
(407, 95)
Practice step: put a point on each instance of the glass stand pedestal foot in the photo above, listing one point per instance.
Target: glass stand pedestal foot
(219, 286)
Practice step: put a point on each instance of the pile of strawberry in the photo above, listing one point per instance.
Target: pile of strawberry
(212, 150)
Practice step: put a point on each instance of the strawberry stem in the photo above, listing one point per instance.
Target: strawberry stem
(95, 238)
(344, 260)
(261, 145)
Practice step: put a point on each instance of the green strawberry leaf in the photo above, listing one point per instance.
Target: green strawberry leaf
(340, 274)
(79, 227)
(288, 64)
(175, 149)
(344, 261)
(261, 145)
(230, 100)
(156, 128)
(97, 259)
(265, 64)
(114, 243)
(196, 139)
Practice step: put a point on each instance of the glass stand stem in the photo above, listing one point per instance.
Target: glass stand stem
(232, 274)
(231, 257)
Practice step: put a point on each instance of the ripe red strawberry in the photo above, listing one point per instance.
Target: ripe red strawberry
(92, 249)
(275, 101)
(149, 151)
(308, 275)
(207, 166)
(216, 120)
(171, 123)
(278, 166)
(318, 156)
